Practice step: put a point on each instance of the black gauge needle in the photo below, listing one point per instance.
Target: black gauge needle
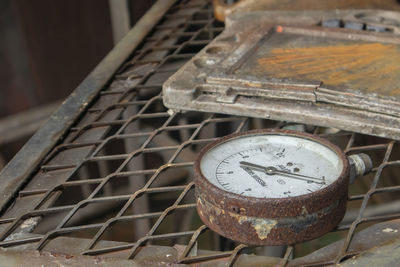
(270, 170)
(254, 176)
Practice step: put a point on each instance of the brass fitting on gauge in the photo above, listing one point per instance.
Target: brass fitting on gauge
(360, 165)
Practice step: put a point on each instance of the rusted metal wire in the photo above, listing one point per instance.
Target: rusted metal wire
(129, 150)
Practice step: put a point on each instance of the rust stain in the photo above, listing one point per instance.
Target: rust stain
(371, 67)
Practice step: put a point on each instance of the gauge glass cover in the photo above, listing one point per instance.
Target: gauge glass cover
(304, 166)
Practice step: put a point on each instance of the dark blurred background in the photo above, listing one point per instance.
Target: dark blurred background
(46, 49)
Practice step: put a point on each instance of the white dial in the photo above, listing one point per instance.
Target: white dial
(271, 166)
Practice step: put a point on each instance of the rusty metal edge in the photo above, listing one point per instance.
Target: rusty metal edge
(386, 255)
(338, 187)
(17, 172)
(43, 258)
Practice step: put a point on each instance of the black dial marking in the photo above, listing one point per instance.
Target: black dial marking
(224, 175)
(281, 181)
(255, 177)
(282, 153)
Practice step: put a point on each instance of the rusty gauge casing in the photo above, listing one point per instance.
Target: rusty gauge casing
(271, 187)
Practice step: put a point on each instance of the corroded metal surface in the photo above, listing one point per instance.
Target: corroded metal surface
(272, 221)
(270, 231)
(345, 64)
(223, 10)
(378, 240)
(384, 256)
(116, 181)
(36, 258)
(291, 69)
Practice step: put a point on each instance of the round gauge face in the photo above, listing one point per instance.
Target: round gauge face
(271, 166)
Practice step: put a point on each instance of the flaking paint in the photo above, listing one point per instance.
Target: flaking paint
(370, 67)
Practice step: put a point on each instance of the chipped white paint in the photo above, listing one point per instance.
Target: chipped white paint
(29, 223)
(389, 230)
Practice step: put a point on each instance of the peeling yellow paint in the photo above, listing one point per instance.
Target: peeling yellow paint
(218, 212)
(263, 227)
(211, 219)
(253, 84)
(304, 211)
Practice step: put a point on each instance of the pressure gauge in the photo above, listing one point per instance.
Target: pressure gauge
(271, 187)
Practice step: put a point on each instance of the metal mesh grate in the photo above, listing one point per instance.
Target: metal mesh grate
(120, 184)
